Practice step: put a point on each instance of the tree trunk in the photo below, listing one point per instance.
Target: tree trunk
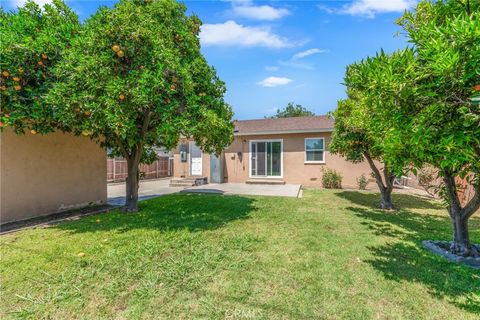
(132, 184)
(385, 189)
(461, 242)
(386, 201)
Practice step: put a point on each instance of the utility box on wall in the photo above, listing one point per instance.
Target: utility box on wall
(184, 152)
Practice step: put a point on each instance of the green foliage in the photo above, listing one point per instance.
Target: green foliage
(135, 78)
(362, 182)
(331, 179)
(33, 41)
(292, 110)
(445, 125)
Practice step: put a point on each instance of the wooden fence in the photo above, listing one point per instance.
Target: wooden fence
(117, 169)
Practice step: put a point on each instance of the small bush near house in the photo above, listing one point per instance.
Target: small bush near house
(332, 179)
(362, 182)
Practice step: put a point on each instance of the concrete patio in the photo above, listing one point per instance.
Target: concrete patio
(155, 188)
(286, 190)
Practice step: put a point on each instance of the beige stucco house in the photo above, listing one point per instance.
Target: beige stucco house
(41, 175)
(285, 150)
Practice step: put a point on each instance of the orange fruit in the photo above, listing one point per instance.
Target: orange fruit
(16, 79)
(44, 56)
(121, 97)
(477, 87)
(1, 124)
(6, 74)
(115, 48)
(18, 87)
(33, 131)
(120, 53)
(173, 87)
(40, 63)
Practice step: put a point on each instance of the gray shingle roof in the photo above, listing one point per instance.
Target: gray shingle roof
(284, 125)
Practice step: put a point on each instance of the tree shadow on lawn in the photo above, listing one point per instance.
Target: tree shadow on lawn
(190, 212)
(406, 260)
(405, 201)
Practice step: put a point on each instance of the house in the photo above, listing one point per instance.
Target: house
(283, 150)
(46, 174)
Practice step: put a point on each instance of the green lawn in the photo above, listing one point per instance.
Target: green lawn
(328, 255)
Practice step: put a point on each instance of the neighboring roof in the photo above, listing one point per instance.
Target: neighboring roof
(284, 125)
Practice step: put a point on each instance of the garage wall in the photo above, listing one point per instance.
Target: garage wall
(40, 175)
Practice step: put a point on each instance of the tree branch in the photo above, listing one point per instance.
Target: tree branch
(388, 178)
(474, 204)
(451, 187)
(376, 172)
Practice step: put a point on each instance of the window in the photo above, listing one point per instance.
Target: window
(314, 148)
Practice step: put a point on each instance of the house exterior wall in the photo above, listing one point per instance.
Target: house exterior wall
(182, 169)
(41, 175)
(295, 170)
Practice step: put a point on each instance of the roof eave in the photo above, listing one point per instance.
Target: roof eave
(254, 133)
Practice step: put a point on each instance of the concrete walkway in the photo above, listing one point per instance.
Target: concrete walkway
(148, 189)
(155, 188)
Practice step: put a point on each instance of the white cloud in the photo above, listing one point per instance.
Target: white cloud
(307, 53)
(369, 8)
(274, 82)
(271, 68)
(245, 9)
(231, 33)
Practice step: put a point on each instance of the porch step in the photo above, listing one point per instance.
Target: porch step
(265, 181)
(188, 181)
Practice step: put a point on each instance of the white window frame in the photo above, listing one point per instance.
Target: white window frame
(305, 149)
(250, 159)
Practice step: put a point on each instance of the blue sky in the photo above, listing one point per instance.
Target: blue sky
(270, 53)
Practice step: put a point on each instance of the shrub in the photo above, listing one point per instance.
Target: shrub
(362, 182)
(331, 179)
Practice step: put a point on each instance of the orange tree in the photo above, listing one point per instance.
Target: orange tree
(378, 88)
(135, 78)
(32, 42)
(444, 125)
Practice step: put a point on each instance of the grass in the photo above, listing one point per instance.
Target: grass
(328, 255)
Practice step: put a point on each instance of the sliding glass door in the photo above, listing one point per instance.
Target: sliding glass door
(266, 158)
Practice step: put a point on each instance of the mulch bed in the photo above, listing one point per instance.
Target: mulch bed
(53, 218)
